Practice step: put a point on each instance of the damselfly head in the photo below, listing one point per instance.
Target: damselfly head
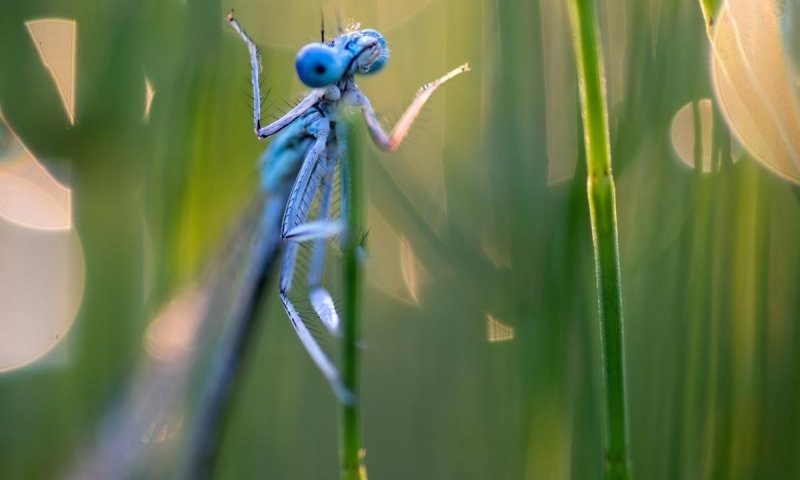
(361, 51)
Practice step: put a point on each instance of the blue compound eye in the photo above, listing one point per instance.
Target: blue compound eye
(384, 52)
(318, 65)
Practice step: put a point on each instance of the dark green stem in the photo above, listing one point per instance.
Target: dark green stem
(603, 210)
(351, 453)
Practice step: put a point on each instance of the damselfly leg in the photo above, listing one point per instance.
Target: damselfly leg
(392, 141)
(321, 299)
(315, 175)
(255, 71)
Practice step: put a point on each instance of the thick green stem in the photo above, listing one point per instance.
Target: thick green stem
(603, 209)
(351, 453)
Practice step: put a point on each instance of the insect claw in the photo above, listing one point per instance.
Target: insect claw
(344, 395)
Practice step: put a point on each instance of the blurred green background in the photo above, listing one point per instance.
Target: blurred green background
(482, 348)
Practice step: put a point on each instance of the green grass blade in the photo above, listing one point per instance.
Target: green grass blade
(602, 207)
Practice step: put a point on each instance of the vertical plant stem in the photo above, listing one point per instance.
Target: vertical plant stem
(350, 451)
(603, 210)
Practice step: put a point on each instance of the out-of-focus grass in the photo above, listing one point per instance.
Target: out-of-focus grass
(709, 262)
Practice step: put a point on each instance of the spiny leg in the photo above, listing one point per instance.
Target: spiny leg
(300, 197)
(320, 298)
(392, 141)
(255, 70)
(296, 212)
(305, 189)
(306, 103)
(322, 361)
(313, 348)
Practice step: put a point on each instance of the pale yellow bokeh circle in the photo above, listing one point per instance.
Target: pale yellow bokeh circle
(41, 260)
(684, 129)
(41, 285)
(755, 86)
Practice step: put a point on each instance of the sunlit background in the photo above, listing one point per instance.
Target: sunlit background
(127, 162)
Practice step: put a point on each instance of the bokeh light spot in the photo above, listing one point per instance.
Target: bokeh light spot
(41, 286)
(41, 262)
(754, 84)
(497, 331)
(149, 93)
(410, 268)
(683, 134)
(54, 39)
(394, 268)
(170, 336)
(29, 195)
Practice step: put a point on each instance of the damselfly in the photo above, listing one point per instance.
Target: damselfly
(299, 171)
(302, 165)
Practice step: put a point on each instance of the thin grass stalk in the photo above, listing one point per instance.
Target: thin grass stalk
(603, 211)
(350, 449)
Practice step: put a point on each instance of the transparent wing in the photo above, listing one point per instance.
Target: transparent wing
(189, 340)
